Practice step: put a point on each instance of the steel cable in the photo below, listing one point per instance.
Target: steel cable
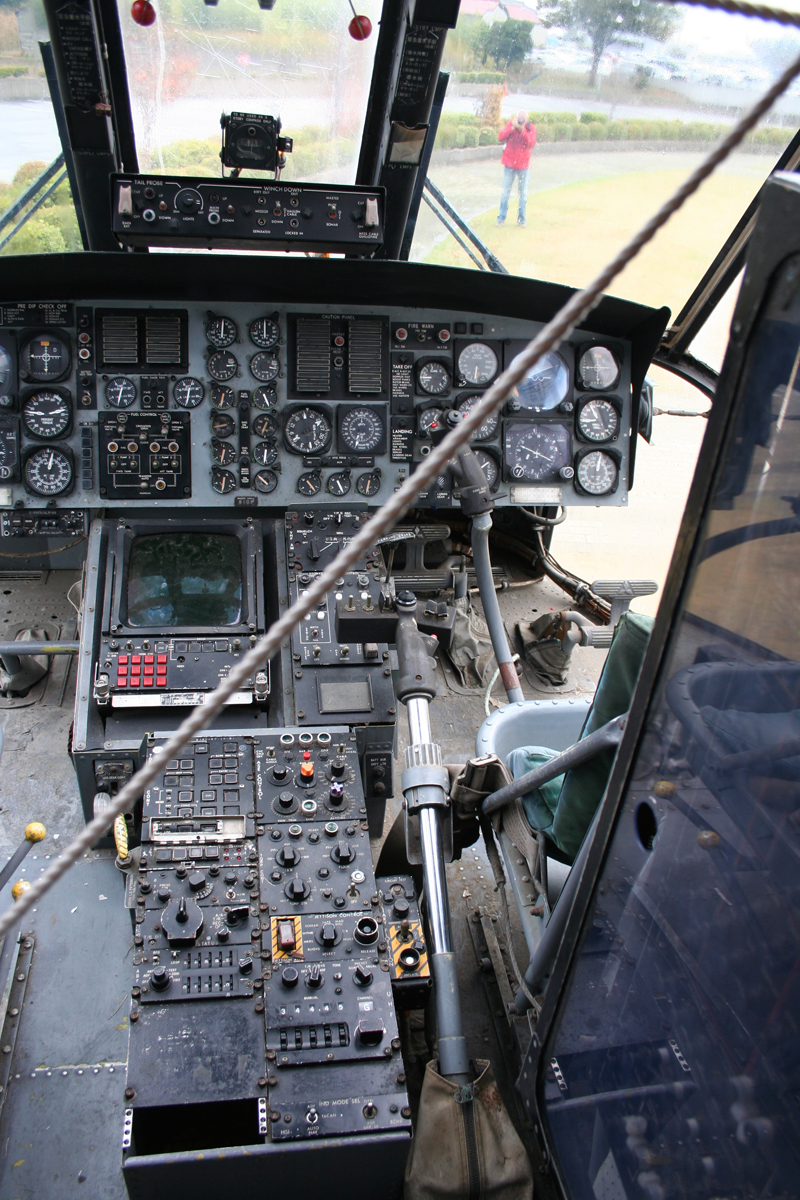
(549, 338)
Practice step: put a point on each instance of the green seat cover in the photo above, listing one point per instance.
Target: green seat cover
(564, 807)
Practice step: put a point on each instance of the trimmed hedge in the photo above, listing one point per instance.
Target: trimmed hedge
(481, 77)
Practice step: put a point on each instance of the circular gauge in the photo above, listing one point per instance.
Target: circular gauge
(430, 420)
(120, 392)
(477, 364)
(265, 453)
(264, 332)
(222, 365)
(48, 471)
(6, 372)
(222, 425)
(188, 392)
(221, 332)
(265, 366)
(339, 483)
(361, 429)
(309, 483)
(265, 481)
(222, 481)
(488, 427)
(307, 431)
(546, 385)
(433, 378)
(222, 453)
(44, 357)
(489, 466)
(535, 453)
(368, 484)
(265, 397)
(597, 473)
(598, 369)
(265, 425)
(598, 420)
(222, 397)
(46, 415)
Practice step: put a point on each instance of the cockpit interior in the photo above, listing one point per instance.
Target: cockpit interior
(400, 678)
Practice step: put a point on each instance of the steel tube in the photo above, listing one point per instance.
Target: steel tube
(435, 879)
(22, 648)
(419, 721)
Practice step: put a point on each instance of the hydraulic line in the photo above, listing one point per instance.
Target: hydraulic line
(481, 525)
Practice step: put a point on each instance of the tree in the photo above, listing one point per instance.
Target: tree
(605, 21)
(506, 42)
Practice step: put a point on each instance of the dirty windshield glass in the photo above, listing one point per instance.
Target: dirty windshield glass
(624, 100)
(297, 62)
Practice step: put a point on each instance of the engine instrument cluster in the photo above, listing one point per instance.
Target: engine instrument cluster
(246, 405)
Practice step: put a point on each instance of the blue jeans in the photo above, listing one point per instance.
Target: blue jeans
(509, 175)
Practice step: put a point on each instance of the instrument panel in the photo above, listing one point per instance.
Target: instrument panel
(244, 405)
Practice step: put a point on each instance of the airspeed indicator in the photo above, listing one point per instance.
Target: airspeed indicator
(361, 430)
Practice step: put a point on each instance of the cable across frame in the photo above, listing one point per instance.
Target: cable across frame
(549, 338)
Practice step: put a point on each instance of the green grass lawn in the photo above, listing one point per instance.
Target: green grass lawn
(573, 230)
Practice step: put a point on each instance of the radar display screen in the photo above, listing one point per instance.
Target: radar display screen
(189, 580)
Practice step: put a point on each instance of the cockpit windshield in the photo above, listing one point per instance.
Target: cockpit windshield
(296, 62)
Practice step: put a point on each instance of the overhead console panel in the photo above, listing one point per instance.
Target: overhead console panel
(244, 396)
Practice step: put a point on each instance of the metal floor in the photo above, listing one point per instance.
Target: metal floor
(62, 1058)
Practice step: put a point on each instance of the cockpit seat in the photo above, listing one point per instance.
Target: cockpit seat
(562, 809)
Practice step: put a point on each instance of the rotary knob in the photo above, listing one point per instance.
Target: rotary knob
(362, 976)
(315, 978)
(336, 794)
(289, 856)
(328, 935)
(342, 853)
(297, 890)
(338, 767)
(290, 977)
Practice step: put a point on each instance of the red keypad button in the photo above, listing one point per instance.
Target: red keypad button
(123, 658)
(147, 682)
(162, 658)
(136, 658)
(148, 670)
(121, 681)
(135, 681)
(122, 670)
(148, 658)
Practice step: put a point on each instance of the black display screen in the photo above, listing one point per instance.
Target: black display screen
(185, 580)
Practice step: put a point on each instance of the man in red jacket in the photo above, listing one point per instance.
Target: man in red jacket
(519, 136)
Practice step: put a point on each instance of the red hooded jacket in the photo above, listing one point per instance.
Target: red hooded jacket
(519, 143)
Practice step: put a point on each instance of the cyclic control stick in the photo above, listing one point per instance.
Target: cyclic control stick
(426, 787)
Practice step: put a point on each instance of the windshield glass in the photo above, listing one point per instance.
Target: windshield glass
(296, 62)
(620, 117)
(36, 211)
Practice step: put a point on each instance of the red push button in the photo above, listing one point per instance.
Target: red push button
(123, 658)
(148, 670)
(135, 681)
(121, 681)
(147, 682)
(148, 658)
(162, 658)
(136, 658)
